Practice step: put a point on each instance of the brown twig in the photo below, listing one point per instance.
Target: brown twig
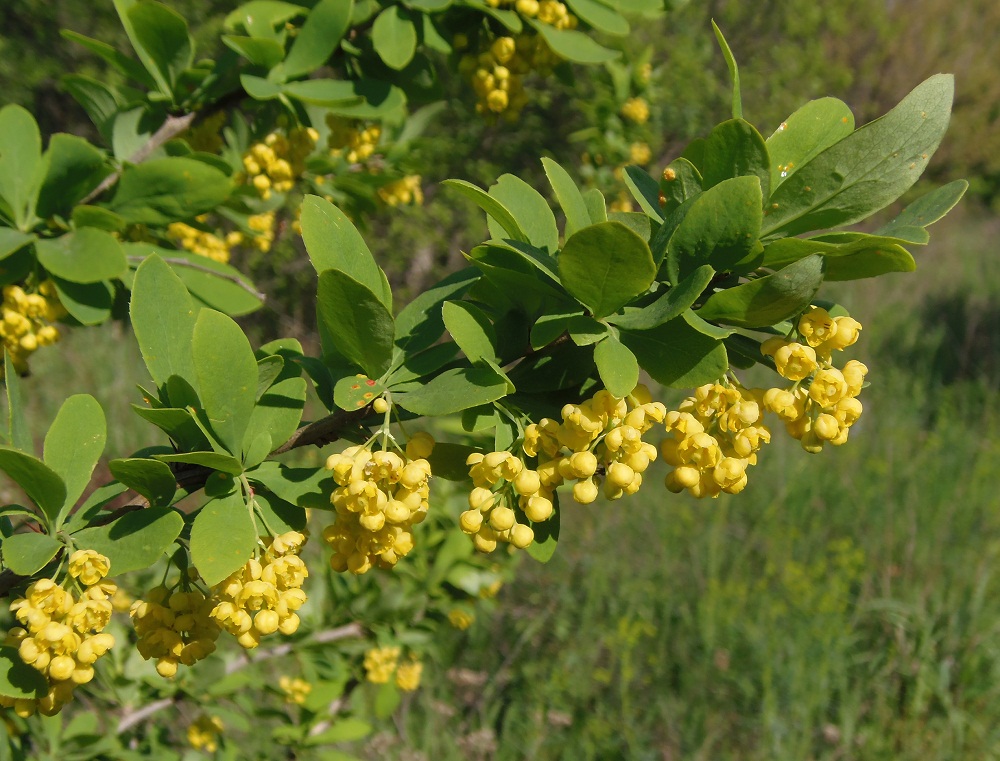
(171, 128)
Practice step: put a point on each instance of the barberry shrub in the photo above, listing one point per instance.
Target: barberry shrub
(535, 349)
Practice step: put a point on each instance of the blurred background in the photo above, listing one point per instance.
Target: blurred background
(846, 605)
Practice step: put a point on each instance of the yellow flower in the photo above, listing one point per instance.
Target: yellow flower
(408, 675)
(795, 361)
(636, 110)
(203, 733)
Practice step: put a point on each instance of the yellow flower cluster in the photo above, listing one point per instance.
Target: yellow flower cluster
(354, 142)
(821, 405)
(174, 628)
(274, 163)
(296, 689)
(640, 153)
(379, 497)
(219, 248)
(269, 588)
(403, 192)
(715, 436)
(599, 440)
(408, 675)
(635, 110)
(380, 664)
(24, 319)
(203, 733)
(502, 481)
(61, 635)
(550, 12)
(202, 242)
(460, 618)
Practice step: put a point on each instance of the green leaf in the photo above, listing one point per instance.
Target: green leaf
(491, 206)
(279, 410)
(586, 331)
(448, 460)
(381, 99)
(645, 190)
(681, 182)
(569, 197)
(259, 51)
(226, 370)
(74, 445)
(97, 216)
(720, 228)
(572, 45)
(257, 444)
(151, 478)
(454, 390)
(868, 169)
(419, 324)
(213, 284)
(734, 71)
(268, 370)
(118, 60)
(163, 318)
(214, 460)
(333, 242)
(529, 209)
(18, 433)
(178, 424)
(89, 303)
(767, 300)
(161, 40)
(417, 365)
(471, 329)
(18, 679)
(805, 134)
(605, 266)
(677, 354)
(925, 211)
(357, 322)
(600, 17)
(319, 37)
(97, 99)
(134, 541)
(394, 37)
(671, 304)
(735, 149)
(12, 241)
(26, 554)
(73, 168)
(223, 538)
(45, 488)
(260, 17)
(305, 487)
(92, 506)
(324, 92)
(597, 206)
(546, 535)
(20, 162)
(259, 88)
(618, 367)
(355, 391)
(87, 255)
(871, 263)
(161, 191)
(279, 515)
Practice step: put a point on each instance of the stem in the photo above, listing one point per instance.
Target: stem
(171, 128)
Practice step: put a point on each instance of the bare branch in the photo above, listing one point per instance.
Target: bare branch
(130, 718)
(171, 128)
